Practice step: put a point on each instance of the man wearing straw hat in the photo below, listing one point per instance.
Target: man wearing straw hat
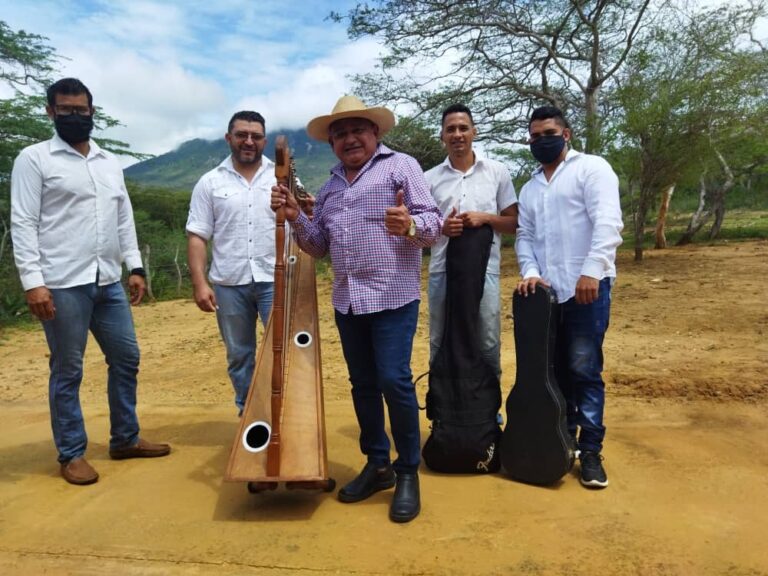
(373, 215)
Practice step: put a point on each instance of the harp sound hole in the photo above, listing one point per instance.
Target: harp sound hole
(292, 259)
(303, 339)
(256, 437)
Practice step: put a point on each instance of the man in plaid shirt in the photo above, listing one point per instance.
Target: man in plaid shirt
(374, 215)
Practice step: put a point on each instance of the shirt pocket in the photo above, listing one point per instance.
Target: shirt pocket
(223, 193)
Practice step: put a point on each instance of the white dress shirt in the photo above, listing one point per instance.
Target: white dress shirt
(70, 216)
(570, 226)
(236, 214)
(485, 187)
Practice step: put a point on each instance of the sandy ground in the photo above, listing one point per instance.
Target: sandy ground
(686, 452)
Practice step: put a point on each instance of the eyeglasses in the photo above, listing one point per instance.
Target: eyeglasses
(69, 110)
(255, 136)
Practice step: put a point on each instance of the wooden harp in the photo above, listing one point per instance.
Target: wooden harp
(281, 437)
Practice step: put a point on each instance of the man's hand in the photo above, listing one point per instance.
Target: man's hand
(308, 205)
(40, 302)
(453, 225)
(137, 287)
(524, 287)
(281, 196)
(205, 298)
(587, 289)
(474, 219)
(397, 219)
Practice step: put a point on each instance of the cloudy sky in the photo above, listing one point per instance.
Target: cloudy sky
(172, 70)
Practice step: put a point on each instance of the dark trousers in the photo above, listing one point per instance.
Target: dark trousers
(579, 365)
(377, 348)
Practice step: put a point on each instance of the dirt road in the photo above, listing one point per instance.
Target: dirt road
(686, 452)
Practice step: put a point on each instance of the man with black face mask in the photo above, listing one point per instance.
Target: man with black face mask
(569, 228)
(72, 229)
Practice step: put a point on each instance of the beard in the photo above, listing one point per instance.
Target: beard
(246, 156)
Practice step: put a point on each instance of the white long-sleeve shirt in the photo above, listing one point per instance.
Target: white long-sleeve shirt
(237, 215)
(485, 187)
(570, 226)
(70, 216)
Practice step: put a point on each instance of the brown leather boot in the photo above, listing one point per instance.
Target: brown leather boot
(78, 471)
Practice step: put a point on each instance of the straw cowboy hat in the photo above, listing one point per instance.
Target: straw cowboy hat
(350, 107)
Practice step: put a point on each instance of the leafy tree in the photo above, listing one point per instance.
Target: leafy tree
(690, 103)
(503, 57)
(413, 137)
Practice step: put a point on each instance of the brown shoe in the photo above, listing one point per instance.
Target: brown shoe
(78, 471)
(142, 449)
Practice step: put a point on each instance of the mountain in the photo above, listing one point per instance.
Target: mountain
(181, 168)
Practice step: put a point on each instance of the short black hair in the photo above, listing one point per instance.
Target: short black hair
(546, 112)
(457, 109)
(67, 87)
(248, 116)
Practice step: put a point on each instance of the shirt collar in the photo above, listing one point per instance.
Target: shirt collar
(59, 145)
(479, 160)
(227, 164)
(569, 156)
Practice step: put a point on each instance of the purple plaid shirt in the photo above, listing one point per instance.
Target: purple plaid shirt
(373, 271)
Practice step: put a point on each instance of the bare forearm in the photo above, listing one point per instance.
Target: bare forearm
(197, 258)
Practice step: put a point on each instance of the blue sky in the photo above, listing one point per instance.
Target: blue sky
(172, 70)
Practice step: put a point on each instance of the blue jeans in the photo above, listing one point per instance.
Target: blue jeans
(490, 319)
(377, 348)
(104, 310)
(579, 365)
(239, 308)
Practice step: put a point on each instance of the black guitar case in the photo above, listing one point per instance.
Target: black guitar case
(464, 395)
(536, 447)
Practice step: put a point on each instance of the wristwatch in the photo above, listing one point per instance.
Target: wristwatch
(138, 272)
(412, 229)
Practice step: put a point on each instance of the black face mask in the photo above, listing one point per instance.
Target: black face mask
(73, 128)
(546, 149)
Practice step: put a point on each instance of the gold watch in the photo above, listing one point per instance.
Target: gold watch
(412, 229)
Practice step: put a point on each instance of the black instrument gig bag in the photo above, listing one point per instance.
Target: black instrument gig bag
(464, 395)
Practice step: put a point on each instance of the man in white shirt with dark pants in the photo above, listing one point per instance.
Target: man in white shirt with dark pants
(470, 191)
(230, 206)
(569, 228)
(72, 228)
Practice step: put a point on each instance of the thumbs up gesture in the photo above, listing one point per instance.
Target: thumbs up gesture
(397, 219)
(453, 224)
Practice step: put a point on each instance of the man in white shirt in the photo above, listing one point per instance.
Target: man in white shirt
(569, 228)
(470, 191)
(72, 228)
(230, 206)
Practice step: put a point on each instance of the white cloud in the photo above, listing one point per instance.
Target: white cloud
(160, 104)
(175, 70)
(304, 94)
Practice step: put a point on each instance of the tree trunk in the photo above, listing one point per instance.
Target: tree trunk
(592, 121)
(699, 217)
(661, 222)
(641, 215)
(719, 198)
(178, 271)
(150, 294)
(2, 240)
